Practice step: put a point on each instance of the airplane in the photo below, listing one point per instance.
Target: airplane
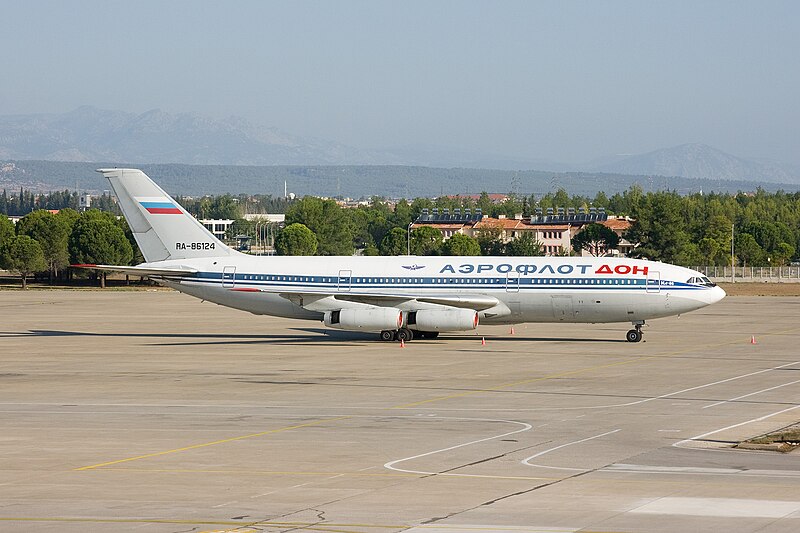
(404, 297)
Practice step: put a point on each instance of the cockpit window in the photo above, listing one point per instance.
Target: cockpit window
(702, 280)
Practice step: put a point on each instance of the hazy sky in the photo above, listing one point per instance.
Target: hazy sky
(568, 81)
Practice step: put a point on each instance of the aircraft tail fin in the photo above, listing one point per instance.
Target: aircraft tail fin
(162, 228)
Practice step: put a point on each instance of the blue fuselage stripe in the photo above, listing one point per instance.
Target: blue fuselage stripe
(407, 282)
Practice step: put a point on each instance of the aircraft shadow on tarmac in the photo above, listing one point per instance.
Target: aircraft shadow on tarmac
(318, 336)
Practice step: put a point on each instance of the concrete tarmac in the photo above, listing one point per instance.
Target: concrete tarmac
(154, 412)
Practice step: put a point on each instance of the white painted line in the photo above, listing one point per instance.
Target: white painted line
(527, 461)
(459, 528)
(222, 504)
(680, 444)
(719, 507)
(391, 464)
(651, 469)
(752, 394)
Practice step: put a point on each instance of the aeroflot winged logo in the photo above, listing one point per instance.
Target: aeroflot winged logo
(413, 267)
(159, 206)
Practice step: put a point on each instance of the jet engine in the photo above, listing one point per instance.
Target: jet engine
(371, 319)
(443, 320)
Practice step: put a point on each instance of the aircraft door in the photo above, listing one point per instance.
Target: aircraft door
(653, 282)
(228, 277)
(512, 282)
(345, 277)
(563, 309)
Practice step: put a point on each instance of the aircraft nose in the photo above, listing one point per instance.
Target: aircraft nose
(717, 294)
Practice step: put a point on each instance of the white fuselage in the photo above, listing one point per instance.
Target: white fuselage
(527, 289)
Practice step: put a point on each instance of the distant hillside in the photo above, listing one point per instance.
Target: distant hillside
(701, 161)
(351, 181)
(157, 137)
(91, 134)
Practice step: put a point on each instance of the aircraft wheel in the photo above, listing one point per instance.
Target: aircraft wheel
(633, 335)
(387, 335)
(404, 334)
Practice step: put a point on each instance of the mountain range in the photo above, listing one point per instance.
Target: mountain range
(91, 134)
(88, 134)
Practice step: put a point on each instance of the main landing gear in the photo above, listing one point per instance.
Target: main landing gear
(405, 335)
(635, 335)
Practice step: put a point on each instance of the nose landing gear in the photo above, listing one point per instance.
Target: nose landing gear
(635, 335)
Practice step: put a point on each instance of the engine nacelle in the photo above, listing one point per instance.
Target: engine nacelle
(443, 320)
(372, 319)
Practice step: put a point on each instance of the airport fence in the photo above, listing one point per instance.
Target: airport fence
(784, 274)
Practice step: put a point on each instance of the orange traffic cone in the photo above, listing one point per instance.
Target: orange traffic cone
(483, 341)
(753, 339)
(402, 343)
(512, 331)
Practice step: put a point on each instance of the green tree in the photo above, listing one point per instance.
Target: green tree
(52, 233)
(510, 207)
(766, 233)
(660, 227)
(689, 255)
(97, 238)
(394, 242)
(485, 204)
(327, 221)
(426, 240)
(23, 255)
(524, 246)
(69, 217)
(359, 222)
(404, 213)
(719, 229)
(460, 244)
(561, 199)
(489, 239)
(596, 239)
(240, 226)
(748, 251)
(296, 239)
(370, 250)
(600, 200)
(709, 249)
(224, 207)
(6, 228)
(782, 254)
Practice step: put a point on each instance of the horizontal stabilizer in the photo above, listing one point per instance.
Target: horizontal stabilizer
(142, 271)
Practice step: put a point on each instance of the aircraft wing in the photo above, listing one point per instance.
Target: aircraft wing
(476, 302)
(142, 271)
(308, 299)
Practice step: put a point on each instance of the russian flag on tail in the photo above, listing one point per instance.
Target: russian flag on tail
(159, 206)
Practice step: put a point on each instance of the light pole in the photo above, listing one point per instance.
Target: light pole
(254, 250)
(408, 238)
(270, 237)
(733, 259)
